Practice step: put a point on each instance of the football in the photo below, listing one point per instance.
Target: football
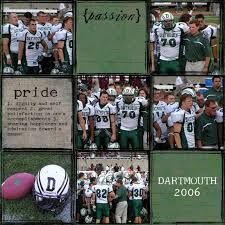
(17, 186)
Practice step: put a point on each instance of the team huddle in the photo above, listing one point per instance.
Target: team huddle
(114, 118)
(41, 45)
(112, 196)
(190, 118)
(188, 46)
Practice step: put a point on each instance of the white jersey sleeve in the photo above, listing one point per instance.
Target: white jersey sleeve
(178, 116)
(79, 106)
(219, 115)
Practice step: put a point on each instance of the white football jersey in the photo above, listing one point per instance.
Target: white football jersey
(102, 115)
(130, 114)
(169, 41)
(137, 191)
(101, 192)
(79, 106)
(67, 37)
(209, 32)
(13, 33)
(154, 38)
(32, 44)
(159, 110)
(172, 107)
(87, 111)
(45, 29)
(88, 192)
(219, 115)
(187, 119)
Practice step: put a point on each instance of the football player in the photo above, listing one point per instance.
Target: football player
(137, 191)
(105, 125)
(29, 43)
(26, 19)
(45, 27)
(87, 114)
(130, 110)
(184, 123)
(209, 32)
(64, 39)
(11, 32)
(103, 195)
(80, 119)
(159, 110)
(170, 36)
(220, 122)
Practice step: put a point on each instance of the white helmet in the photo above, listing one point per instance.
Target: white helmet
(113, 146)
(111, 92)
(144, 211)
(167, 20)
(88, 219)
(93, 147)
(17, 72)
(109, 177)
(54, 71)
(83, 212)
(189, 91)
(8, 70)
(51, 188)
(128, 94)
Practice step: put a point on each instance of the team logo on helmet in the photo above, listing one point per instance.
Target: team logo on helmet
(51, 188)
(8, 70)
(167, 20)
(128, 94)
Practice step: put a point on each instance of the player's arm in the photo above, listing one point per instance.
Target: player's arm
(60, 46)
(6, 50)
(214, 49)
(111, 196)
(151, 55)
(91, 124)
(157, 129)
(177, 129)
(82, 125)
(113, 126)
(21, 51)
(45, 46)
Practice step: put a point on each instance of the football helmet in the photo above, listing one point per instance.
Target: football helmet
(93, 147)
(167, 20)
(109, 178)
(51, 188)
(8, 70)
(128, 94)
(112, 94)
(144, 211)
(54, 71)
(189, 91)
(113, 146)
(17, 72)
(88, 219)
(83, 212)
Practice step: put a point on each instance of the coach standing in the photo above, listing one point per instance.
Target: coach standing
(197, 50)
(121, 207)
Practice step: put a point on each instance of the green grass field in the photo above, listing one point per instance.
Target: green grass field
(24, 209)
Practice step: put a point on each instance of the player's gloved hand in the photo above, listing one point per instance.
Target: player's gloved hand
(20, 68)
(64, 67)
(41, 57)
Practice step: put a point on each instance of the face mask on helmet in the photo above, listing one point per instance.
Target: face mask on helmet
(167, 20)
(128, 95)
(51, 188)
